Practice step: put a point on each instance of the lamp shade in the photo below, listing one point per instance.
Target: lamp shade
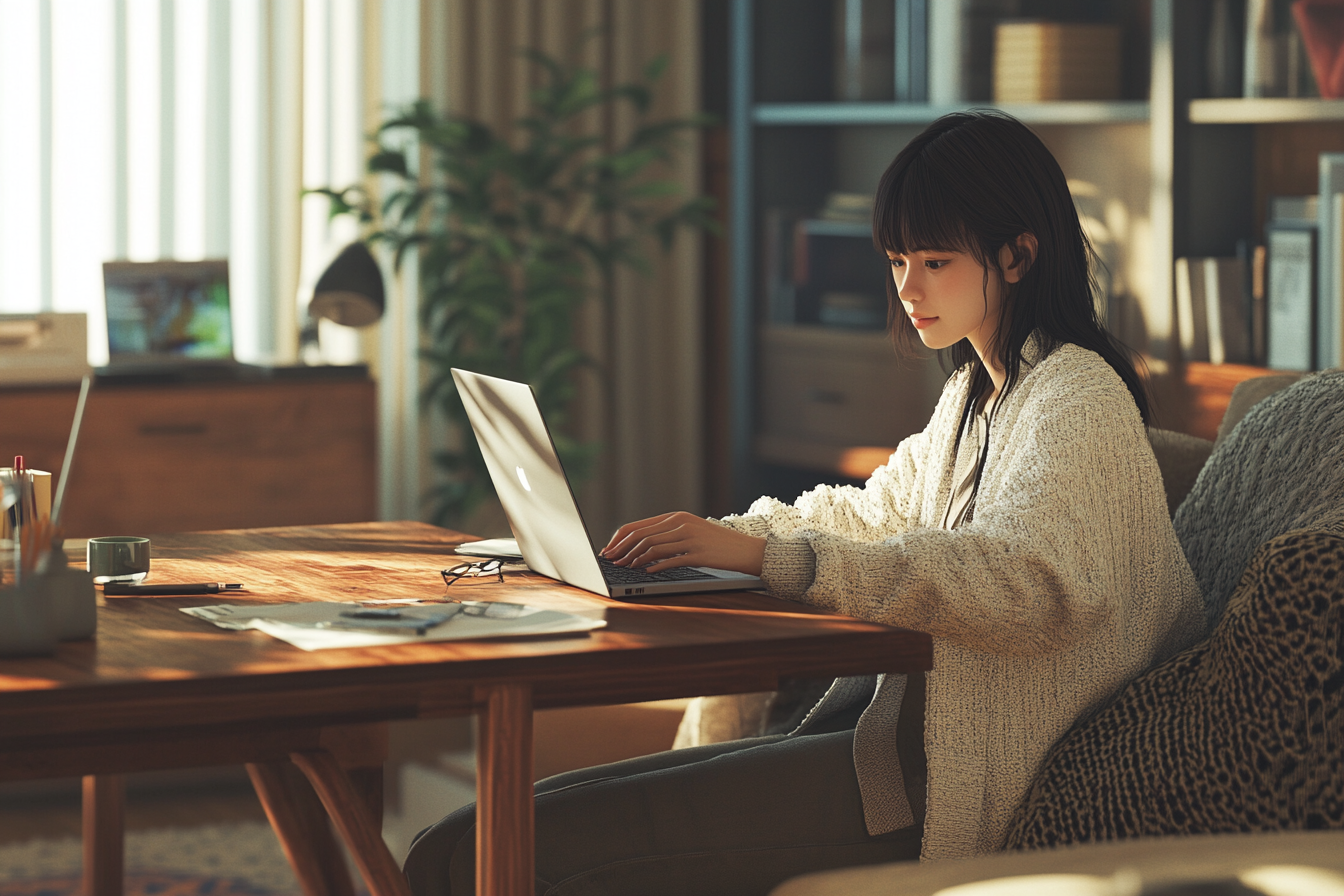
(350, 290)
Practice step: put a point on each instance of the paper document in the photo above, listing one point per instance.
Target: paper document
(322, 625)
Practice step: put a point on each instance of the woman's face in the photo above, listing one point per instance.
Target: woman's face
(948, 297)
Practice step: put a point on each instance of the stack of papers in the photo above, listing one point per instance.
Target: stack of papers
(319, 626)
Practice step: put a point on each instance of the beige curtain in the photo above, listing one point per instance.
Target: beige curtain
(645, 406)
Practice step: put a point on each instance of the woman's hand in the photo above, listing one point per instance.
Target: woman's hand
(684, 539)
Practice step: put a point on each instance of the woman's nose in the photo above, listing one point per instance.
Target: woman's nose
(907, 285)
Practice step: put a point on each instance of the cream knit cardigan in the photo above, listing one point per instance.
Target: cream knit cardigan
(1068, 581)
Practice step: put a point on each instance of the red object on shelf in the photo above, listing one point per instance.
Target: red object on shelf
(1322, 25)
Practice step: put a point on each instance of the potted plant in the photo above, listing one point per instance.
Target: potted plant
(514, 236)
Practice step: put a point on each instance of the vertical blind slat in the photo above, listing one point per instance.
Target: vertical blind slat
(44, 215)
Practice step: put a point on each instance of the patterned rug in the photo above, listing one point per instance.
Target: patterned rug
(242, 859)
(145, 883)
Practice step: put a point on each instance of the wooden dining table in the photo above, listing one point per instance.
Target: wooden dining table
(158, 689)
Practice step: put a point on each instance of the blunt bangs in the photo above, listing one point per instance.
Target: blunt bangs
(916, 209)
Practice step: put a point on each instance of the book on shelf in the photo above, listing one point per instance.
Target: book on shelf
(864, 50)
(1290, 283)
(1213, 312)
(1330, 262)
(1253, 258)
(961, 48)
(1038, 62)
(1275, 60)
(824, 270)
(1223, 51)
(777, 264)
(912, 51)
(1227, 310)
(1191, 315)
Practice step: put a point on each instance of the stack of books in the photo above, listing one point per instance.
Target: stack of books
(1304, 275)
(1038, 62)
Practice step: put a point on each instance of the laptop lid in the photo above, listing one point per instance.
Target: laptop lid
(529, 479)
(168, 313)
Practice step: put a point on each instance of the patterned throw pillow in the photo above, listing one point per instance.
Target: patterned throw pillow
(1241, 732)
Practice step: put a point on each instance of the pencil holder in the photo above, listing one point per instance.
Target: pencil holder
(55, 603)
(70, 599)
(26, 624)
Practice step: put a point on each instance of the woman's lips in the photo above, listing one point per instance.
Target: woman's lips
(923, 322)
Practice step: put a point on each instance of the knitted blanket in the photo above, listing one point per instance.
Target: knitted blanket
(1281, 468)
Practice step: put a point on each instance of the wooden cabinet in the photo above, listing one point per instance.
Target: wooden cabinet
(824, 391)
(167, 458)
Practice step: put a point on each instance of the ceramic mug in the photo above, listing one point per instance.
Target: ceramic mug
(118, 558)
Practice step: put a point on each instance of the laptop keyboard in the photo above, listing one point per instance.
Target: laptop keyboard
(624, 575)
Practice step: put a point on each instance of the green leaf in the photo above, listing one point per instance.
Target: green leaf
(655, 67)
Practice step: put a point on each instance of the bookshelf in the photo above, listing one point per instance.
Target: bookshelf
(1189, 174)
(836, 114)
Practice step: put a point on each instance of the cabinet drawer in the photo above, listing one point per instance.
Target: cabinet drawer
(842, 389)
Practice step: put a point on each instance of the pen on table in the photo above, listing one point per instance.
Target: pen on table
(115, 588)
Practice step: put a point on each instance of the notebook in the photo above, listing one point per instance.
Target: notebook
(168, 316)
(540, 505)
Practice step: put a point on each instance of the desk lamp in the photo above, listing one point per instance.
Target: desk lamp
(349, 292)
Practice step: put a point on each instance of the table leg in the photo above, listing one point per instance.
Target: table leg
(104, 830)
(347, 807)
(505, 839)
(300, 824)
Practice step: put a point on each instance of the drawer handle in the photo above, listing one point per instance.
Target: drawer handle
(825, 396)
(174, 429)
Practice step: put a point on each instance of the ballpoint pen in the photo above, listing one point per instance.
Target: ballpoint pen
(116, 588)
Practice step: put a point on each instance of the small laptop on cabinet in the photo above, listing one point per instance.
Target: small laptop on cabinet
(169, 318)
(540, 505)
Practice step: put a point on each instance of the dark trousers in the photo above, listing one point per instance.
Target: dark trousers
(732, 818)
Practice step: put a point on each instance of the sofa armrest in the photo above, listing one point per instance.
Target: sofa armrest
(1180, 457)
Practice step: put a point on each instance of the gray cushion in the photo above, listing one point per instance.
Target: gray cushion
(1281, 468)
(1180, 457)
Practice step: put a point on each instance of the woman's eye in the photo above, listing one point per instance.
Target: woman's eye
(934, 265)
(897, 263)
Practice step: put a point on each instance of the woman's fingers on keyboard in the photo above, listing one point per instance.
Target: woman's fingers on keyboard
(625, 544)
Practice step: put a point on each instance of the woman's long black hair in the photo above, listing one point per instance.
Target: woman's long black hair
(975, 182)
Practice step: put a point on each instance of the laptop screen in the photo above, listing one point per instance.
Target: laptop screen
(168, 311)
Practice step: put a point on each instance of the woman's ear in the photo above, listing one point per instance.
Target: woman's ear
(1016, 258)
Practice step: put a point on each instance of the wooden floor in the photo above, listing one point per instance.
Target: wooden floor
(52, 810)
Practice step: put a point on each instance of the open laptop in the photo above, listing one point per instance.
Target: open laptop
(540, 505)
(168, 317)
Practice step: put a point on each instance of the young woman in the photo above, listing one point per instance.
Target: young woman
(1025, 529)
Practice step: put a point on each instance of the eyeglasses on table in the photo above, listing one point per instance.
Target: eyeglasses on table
(481, 572)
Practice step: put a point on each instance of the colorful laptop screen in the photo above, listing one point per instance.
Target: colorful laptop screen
(168, 311)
